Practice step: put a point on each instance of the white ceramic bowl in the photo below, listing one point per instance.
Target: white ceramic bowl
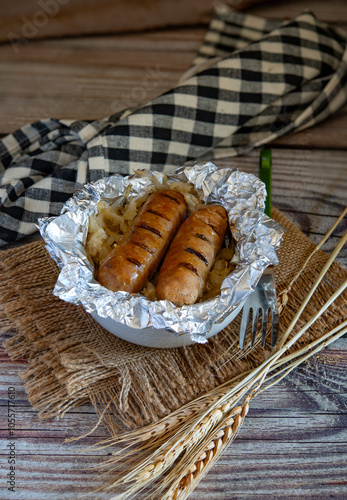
(153, 337)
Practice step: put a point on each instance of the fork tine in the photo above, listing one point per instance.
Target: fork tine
(265, 318)
(275, 327)
(243, 326)
(255, 320)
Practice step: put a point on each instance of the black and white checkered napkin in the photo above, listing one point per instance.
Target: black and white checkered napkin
(252, 81)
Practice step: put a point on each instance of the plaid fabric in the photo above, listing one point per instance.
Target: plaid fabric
(252, 81)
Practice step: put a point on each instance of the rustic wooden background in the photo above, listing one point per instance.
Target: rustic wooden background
(88, 61)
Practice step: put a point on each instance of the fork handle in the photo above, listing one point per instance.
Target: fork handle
(265, 167)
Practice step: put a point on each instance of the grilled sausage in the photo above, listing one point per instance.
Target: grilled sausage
(130, 264)
(191, 255)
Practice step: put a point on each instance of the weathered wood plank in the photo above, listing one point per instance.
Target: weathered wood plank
(53, 477)
(263, 461)
(328, 11)
(330, 134)
(248, 442)
(28, 20)
(264, 421)
(94, 77)
(293, 443)
(263, 474)
(309, 187)
(38, 90)
(297, 427)
(99, 48)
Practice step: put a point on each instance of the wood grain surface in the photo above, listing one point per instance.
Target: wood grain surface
(26, 20)
(293, 442)
(29, 19)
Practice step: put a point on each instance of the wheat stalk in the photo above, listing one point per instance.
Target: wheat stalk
(161, 453)
(169, 424)
(226, 432)
(206, 454)
(284, 295)
(172, 456)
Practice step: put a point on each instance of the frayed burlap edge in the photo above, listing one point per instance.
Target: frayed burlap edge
(72, 360)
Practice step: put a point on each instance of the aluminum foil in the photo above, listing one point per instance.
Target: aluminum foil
(257, 236)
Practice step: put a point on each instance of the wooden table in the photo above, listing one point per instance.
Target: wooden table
(293, 442)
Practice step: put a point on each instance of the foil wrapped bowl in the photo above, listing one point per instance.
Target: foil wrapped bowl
(133, 317)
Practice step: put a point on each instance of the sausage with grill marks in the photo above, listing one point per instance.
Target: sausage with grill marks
(131, 263)
(191, 255)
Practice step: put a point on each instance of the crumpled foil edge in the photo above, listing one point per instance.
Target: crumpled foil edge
(243, 196)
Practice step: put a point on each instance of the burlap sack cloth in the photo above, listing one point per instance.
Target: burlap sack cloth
(72, 360)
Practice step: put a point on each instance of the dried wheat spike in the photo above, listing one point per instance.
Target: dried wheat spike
(164, 461)
(223, 436)
(282, 300)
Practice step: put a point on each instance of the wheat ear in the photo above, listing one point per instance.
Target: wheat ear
(171, 461)
(186, 479)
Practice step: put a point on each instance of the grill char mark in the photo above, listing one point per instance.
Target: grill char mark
(155, 212)
(142, 245)
(197, 254)
(190, 267)
(149, 228)
(134, 261)
(202, 237)
(171, 198)
(214, 228)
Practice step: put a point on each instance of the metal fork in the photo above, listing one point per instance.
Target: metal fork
(263, 299)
